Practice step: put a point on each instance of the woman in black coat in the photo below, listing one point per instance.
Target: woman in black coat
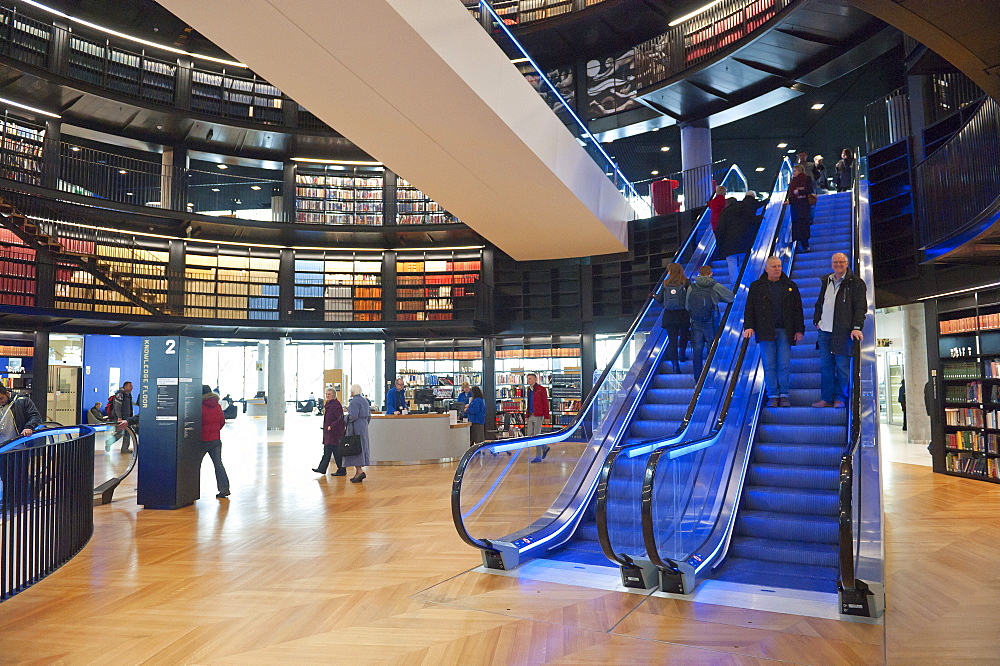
(845, 170)
(800, 191)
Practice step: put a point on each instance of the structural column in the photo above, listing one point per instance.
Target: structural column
(916, 373)
(173, 178)
(378, 391)
(276, 384)
(40, 372)
(51, 154)
(261, 368)
(696, 162)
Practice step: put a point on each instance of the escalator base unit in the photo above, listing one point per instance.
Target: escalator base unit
(640, 575)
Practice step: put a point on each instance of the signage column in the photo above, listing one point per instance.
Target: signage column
(170, 428)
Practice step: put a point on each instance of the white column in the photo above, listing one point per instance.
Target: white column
(276, 384)
(262, 367)
(696, 152)
(916, 373)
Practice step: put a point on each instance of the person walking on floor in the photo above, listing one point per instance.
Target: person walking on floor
(675, 319)
(476, 413)
(121, 410)
(395, 398)
(774, 316)
(333, 432)
(212, 422)
(737, 231)
(839, 316)
(536, 411)
(359, 414)
(845, 170)
(703, 298)
(800, 199)
(716, 204)
(902, 400)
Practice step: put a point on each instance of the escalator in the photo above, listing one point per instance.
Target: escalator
(780, 500)
(513, 510)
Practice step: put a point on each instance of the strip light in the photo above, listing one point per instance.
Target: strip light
(11, 102)
(960, 291)
(130, 38)
(694, 13)
(316, 160)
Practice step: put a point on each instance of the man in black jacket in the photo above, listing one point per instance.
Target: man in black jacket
(18, 416)
(121, 410)
(734, 237)
(774, 315)
(841, 308)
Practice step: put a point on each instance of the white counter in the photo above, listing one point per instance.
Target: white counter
(415, 439)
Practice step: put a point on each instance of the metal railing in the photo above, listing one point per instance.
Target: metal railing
(46, 505)
(887, 120)
(955, 185)
(516, 12)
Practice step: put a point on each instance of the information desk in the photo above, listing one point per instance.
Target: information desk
(257, 407)
(415, 439)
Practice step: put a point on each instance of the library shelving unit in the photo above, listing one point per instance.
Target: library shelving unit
(894, 251)
(437, 286)
(15, 364)
(222, 93)
(17, 271)
(622, 287)
(230, 283)
(545, 290)
(21, 151)
(440, 367)
(969, 344)
(556, 361)
(415, 207)
(333, 194)
(338, 286)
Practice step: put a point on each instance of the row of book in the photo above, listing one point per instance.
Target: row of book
(333, 218)
(971, 392)
(339, 206)
(428, 304)
(961, 370)
(433, 292)
(437, 266)
(16, 351)
(18, 298)
(419, 207)
(991, 369)
(977, 465)
(970, 324)
(425, 316)
(968, 440)
(426, 218)
(336, 193)
(454, 355)
(554, 352)
(965, 416)
(338, 181)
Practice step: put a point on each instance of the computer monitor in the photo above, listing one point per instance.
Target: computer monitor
(423, 396)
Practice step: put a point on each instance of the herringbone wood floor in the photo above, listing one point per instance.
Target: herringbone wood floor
(298, 568)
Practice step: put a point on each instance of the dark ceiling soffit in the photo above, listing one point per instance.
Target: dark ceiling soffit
(962, 246)
(877, 45)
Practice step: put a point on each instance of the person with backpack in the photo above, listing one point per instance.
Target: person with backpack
(121, 410)
(675, 320)
(703, 298)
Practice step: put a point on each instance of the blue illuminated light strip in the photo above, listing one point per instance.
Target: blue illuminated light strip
(20, 442)
(541, 75)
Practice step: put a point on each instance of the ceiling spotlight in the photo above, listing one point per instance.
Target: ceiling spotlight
(656, 129)
(759, 169)
(654, 173)
(782, 145)
(255, 187)
(129, 194)
(222, 166)
(664, 149)
(791, 151)
(215, 189)
(122, 171)
(75, 149)
(816, 107)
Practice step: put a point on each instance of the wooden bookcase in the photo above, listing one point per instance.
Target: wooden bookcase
(338, 286)
(415, 207)
(969, 345)
(439, 366)
(230, 283)
(437, 286)
(556, 361)
(17, 271)
(15, 363)
(334, 195)
(21, 151)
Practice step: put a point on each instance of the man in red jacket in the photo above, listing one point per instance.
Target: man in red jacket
(212, 421)
(536, 411)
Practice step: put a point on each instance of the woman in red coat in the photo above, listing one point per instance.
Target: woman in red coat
(333, 432)
(212, 422)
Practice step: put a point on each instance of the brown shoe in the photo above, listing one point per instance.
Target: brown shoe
(773, 402)
(839, 404)
(822, 403)
(784, 402)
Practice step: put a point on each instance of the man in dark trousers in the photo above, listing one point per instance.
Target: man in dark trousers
(840, 312)
(121, 410)
(536, 409)
(774, 316)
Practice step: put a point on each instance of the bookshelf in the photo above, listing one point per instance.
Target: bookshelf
(538, 290)
(556, 361)
(338, 286)
(969, 347)
(338, 195)
(894, 250)
(440, 366)
(437, 286)
(21, 152)
(251, 99)
(415, 207)
(230, 283)
(15, 363)
(17, 271)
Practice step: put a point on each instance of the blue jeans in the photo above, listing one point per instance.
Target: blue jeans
(702, 334)
(777, 357)
(835, 370)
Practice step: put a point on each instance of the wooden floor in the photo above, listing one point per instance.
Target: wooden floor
(298, 568)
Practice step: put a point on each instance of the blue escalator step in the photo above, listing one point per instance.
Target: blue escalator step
(811, 534)
(651, 429)
(683, 380)
(804, 434)
(778, 575)
(804, 416)
(794, 476)
(662, 396)
(798, 454)
(663, 412)
(791, 500)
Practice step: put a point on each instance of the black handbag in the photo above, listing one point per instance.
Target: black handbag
(350, 445)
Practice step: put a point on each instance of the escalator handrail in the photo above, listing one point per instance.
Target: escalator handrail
(676, 438)
(524, 442)
(112, 483)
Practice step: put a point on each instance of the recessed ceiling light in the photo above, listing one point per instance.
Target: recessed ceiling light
(255, 187)
(654, 173)
(656, 129)
(222, 166)
(664, 149)
(122, 171)
(816, 107)
(791, 151)
(75, 149)
(215, 189)
(129, 194)
(782, 145)
(759, 169)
